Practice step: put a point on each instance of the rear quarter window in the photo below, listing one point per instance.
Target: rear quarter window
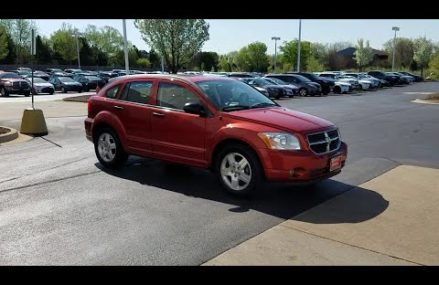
(112, 92)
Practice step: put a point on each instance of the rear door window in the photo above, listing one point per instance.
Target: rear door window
(138, 92)
(175, 96)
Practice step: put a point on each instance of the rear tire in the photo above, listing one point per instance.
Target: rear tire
(337, 90)
(108, 148)
(238, 169)
(27, 93)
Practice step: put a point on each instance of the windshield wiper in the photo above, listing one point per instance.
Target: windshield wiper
(262, 104)
(235, 108)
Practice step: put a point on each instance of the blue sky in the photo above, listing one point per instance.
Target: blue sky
(229, 35)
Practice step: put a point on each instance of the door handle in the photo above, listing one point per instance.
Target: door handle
(158, 114)
(118, 107)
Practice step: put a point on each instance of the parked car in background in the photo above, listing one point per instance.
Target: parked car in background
(41, 74)
(40, 86)
(294, 89)
(240, 75)
(12, 83)
(416, 77)
(88, 81)
(405, 79)
(214, 123)
(341, 78)
(364, 83)
(326, 83)
(373, 82)
(273, 90)
(341, 87)
(391, 79)
(306, 86)
(65, 84)
(73, 70)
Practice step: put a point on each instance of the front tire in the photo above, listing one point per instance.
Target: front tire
(108, 148)
(4, 92)
(238, 169)
(303, 92)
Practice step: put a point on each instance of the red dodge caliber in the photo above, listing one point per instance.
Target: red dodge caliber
(212, 122)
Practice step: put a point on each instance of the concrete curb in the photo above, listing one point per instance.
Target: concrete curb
(81, 98)
(424, 102)
(11, 134)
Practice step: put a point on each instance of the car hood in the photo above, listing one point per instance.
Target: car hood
(283, 119)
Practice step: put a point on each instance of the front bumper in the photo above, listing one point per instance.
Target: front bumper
(299, 166)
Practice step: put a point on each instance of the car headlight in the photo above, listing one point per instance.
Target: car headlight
(8, 83)
(280, 140)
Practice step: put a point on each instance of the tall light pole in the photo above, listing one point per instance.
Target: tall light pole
(275, 50)
(394, 46)
(298, 46)
(77, 49)
(125, 46)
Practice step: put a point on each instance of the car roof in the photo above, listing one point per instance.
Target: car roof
(182, 77)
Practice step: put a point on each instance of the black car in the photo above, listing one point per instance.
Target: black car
(416, 77)
(392, 79)
(402, 79)
(89, 81)
(65, 84)
(326, 83)
(273, 90)
(306, 86)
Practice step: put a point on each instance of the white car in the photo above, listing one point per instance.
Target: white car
(364, 83)
(341, 87)
(41, 86)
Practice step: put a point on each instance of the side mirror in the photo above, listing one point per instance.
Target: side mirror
(195, 108)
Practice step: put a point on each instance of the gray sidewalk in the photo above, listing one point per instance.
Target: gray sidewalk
(401, 228)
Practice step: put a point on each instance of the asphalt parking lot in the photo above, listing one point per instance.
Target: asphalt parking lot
(58, 206)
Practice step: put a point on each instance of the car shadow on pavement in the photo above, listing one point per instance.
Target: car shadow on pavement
(276, 199)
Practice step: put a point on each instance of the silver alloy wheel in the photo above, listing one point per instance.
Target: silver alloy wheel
(236, 171)
(107, 147)
(303, 92)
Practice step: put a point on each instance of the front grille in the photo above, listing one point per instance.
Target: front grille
(324, 142)
(20, 84)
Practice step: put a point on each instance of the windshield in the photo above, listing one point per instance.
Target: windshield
(276, 80)
(228, 95)
(301, 78)
(262, 82)
(66, 79)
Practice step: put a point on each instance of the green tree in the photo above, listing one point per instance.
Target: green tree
(363, 54)
(423, 50)
(242, 60)
(404, 51)
(86, 53)
(154, 59)
(107, 39)
(43, 51)
(4, 50)
(20, 31)
(64, 43)
(289, 52)
(209, 61)
(257, 56)
(178, 40)
(143, 62)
